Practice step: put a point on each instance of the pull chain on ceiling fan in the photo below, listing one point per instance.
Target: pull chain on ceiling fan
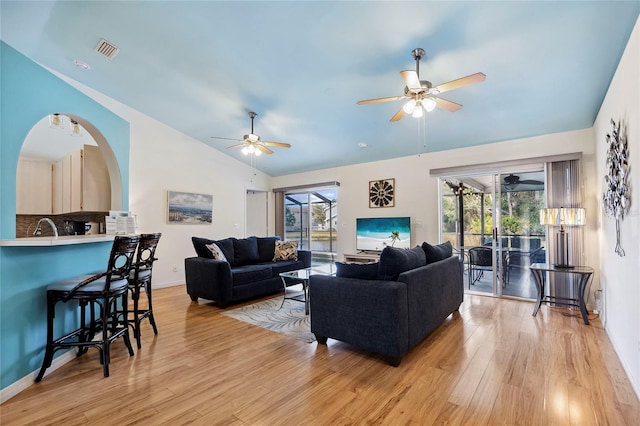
(422, 95)
(251, 143)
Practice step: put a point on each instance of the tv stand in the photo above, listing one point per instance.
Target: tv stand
(362, 257)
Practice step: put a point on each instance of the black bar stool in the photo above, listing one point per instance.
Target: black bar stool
(139, 279)
(102, 289)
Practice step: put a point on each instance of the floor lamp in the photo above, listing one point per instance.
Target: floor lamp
(573, 216)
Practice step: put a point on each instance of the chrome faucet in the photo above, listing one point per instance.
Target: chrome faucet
(38, 231)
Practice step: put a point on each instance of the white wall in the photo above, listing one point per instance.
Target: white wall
(162, 159)
(417, 191)
(619, 275)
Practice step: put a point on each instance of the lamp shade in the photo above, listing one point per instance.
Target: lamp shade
(563, 216)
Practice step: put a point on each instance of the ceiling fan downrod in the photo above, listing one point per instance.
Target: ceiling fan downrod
(417, 54)
(252, 115)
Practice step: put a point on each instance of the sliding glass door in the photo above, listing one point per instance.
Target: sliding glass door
(492, 222)
(310, 219)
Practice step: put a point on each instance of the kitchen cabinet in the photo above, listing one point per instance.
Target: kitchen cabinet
(77, 182)
(81, 182)
(34, 186)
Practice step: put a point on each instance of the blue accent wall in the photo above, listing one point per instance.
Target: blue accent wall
(29, 93)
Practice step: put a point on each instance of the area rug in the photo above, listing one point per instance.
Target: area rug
(289, 320)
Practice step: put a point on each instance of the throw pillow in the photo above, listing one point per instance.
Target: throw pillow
(438, 252)
(245, 251)
(286, 250)
(226, 246)
(362, 271)
(394, 261)
(199, 244)
(267, 248)
(216, 253)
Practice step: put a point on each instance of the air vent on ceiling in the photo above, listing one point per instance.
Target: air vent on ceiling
(107, 49)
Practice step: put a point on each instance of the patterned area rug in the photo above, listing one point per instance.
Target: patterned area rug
(290, 320)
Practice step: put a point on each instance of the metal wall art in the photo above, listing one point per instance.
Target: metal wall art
(382, 193)
(617, 196)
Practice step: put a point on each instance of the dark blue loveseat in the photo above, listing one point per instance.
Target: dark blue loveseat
(389, 307)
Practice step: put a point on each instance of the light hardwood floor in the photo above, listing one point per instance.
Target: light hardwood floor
(491, 363)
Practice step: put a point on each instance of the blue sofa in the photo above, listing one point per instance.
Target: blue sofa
(390, 306)
(248, 271)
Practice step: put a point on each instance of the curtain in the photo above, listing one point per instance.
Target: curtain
(564, 189)
(279, 214)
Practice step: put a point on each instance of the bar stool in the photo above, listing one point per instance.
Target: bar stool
(102, 289)
(140, 278)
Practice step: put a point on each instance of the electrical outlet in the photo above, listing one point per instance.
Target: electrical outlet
(175, 269)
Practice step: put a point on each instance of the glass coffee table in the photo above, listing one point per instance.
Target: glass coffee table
(301, 276)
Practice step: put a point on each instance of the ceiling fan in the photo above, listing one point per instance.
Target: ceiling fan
(251, 143)
(422, 94)
(512, 181)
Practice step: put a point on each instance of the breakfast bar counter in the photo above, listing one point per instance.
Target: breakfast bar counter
(63, 240)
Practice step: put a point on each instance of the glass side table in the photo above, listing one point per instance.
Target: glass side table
(583, 273)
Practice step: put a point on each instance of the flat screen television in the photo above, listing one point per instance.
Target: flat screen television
(375, 233)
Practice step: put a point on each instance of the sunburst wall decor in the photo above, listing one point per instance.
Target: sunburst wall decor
(382, 193)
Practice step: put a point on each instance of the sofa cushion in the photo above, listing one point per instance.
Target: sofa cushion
(199, 244)
(250, 273)
(363, 271)
(226, 246)
(245, 251)
(215, 251)
(285, 250)
(438, 252)
(285, 266)
(267, 248)
(394, 261)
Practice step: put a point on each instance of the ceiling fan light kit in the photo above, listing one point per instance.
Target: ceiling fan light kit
(251, 143)
(421, 93)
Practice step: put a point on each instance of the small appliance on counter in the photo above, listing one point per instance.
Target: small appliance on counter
(92, 228)
(75, 227)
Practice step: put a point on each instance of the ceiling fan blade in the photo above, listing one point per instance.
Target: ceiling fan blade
(411, 79)
(447, 105)
(264, 149)
(461, 82)
(237, 146)
(280, 144)
(398, 116)
(373, 101)
(531, 182)
(226, 139)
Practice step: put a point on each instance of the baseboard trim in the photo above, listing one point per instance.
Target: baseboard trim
(168, 284)
(16, 387)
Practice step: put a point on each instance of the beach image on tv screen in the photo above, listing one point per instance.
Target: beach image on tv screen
(377, 233)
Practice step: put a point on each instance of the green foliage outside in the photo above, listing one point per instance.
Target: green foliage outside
(289, 217)
(520, 212)
(511, 225)
(317, 214)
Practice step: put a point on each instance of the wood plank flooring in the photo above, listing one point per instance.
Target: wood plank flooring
(492, 363)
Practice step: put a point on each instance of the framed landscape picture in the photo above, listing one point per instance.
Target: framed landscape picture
(189, 208)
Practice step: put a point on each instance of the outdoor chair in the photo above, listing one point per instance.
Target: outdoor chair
(480, 260)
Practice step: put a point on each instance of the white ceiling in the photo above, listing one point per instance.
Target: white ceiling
(200, 66)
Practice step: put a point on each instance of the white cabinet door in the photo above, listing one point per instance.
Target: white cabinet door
(34, 187)
(96, 185)
(67, 184)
